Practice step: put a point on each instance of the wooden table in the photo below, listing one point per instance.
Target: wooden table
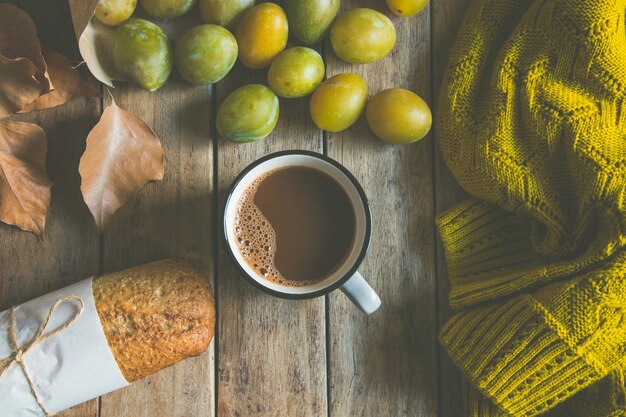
(269, 357)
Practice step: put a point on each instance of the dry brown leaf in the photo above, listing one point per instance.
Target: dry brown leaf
(24, 184)
(96, 48)
(18, 39)
(66, 80)
(95, 41)
(122, 155)
(18, 86)
(82, 12)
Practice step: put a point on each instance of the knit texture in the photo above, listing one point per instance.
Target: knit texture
(530, 123)
(606, 398)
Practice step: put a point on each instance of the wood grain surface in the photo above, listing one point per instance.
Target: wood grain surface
(446, 18)
(271, 351)
(270, 357)
(385, 364)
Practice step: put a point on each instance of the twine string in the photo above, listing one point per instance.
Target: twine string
(19, 352)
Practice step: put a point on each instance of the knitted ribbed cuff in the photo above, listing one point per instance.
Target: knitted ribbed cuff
(605, 398)
(512, 355)
(488, 253)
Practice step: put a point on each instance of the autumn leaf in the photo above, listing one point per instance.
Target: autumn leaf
(66, 80)
(24, 185)
(82, 12)
(18, 86)
(18, 39)
(122, 155)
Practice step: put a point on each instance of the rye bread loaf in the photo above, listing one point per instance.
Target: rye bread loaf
(155, 315)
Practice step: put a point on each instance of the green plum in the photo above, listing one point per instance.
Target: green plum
(167, 9)
(398, 116)
(114, 12)
(296, 72)
(338, 102)
(309, 20)
(142, 53)
(224, 12)
(205, 54)
(248, 114)
(361, 36)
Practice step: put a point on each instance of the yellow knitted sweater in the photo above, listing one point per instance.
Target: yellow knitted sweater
(531, 124)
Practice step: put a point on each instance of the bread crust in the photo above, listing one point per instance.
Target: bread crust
(155, 315)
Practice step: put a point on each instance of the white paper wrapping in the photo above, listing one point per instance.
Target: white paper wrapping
(68, 368)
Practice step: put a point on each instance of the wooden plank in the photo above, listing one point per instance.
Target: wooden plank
(386, 364)
(446, 18)
(172, 218)
(30, 267)
(271, 351)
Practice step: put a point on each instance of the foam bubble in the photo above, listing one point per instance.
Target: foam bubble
(256, 238)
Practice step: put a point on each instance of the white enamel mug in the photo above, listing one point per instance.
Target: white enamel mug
(346, 277)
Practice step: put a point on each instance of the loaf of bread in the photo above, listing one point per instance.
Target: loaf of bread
(154, 315)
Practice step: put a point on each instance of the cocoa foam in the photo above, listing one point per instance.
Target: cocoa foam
(256, 238)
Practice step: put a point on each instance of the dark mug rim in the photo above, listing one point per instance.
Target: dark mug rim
(366, 240)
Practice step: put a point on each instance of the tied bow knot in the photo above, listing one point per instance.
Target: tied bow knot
(19, 351)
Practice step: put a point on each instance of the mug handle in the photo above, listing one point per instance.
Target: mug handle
(361, 294)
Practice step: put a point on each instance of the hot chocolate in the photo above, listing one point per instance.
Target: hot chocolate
(295, 226)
